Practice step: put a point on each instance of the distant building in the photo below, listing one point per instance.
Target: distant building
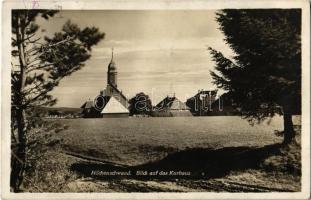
(59, 112)
(206, 103)
(201, 103)
(111, 101)
(89, 111)
(171, 107)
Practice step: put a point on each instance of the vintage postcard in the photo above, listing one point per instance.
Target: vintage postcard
(155, 100)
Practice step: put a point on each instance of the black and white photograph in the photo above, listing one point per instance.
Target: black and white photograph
(211, 100)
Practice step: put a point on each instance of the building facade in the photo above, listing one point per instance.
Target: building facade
(112, 85)
(171, 107)
(201, 103)
(111, 101)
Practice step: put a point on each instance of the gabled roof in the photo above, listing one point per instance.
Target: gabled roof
(87, 104)
(172, 103)
(118, 91)
(212, 92)
(114, 106)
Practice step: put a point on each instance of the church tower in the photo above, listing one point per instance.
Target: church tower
(112, 89)
(112, 72)
(110, 102)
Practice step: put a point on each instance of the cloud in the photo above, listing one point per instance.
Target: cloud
(143, 45)
(155, 51)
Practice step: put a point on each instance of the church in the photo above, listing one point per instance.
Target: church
(111, 102)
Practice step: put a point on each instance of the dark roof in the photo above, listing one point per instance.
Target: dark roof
(116, 89)
(87, 104)
(112, 65)
(172, 103)
(213, 92)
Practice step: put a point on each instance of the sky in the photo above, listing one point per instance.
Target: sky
(158, 52)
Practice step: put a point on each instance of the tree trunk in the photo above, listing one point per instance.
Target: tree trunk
(18, 157)
(19, 154)
(289, 133)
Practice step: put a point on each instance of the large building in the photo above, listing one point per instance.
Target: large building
(200, 104)
(111, 102)
(112, 86)
(171, 107)
(206, 103)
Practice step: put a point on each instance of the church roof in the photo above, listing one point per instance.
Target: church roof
(118, 91)
(112, 64)
(114, 106)
(171, 103)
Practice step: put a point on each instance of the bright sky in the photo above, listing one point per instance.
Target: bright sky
(156, 52)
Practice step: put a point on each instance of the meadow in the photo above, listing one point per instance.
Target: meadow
(133, 141)
(222, 154)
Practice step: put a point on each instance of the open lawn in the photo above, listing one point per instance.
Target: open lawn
(133, 141)
(219, 153)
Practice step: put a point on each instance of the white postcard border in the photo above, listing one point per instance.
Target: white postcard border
(8, 5)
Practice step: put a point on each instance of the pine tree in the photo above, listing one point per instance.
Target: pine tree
(264, 75)
(38, 65)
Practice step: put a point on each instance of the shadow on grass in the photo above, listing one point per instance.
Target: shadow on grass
(194, 163)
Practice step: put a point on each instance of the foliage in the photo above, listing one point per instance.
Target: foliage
(38, 65)
(42, 172)
(48, 61)
(264, 75)
(140, 104)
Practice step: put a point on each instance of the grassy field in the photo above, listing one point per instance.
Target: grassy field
(222, 154)
(133, 141)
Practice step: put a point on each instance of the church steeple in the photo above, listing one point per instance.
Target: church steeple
(112, 65)
(111, 88)
(112, 72)
(112, 54)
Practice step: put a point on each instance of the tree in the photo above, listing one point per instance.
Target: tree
(140, 104)
(264, 75)
(38, 65)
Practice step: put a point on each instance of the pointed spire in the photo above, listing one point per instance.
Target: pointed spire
(111, 65)
(112, 53)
